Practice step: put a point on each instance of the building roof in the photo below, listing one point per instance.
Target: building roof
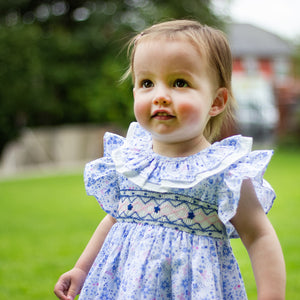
(246, 39)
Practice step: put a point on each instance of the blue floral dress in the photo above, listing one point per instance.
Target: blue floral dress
(171, 239)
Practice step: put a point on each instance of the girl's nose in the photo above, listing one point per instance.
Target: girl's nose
(161, 101)
(162, 98)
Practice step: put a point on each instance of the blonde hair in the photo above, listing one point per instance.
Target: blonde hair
(213, 44)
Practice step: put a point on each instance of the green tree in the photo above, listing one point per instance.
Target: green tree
(60, 61)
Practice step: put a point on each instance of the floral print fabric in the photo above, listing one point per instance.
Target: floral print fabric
(153, 251)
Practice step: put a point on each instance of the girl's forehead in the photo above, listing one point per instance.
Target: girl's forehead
(159, 44)
(180, 53)
(168, 53)
(168, 57)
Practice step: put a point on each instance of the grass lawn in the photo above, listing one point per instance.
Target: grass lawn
(46, 222)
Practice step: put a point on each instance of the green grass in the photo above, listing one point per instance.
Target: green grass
(46, 222)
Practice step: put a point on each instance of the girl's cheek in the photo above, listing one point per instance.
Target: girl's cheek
(188, 111)
(140, 109)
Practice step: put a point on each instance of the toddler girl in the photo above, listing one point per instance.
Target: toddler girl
(173, 199)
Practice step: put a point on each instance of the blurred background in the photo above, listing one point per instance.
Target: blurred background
(60, 64)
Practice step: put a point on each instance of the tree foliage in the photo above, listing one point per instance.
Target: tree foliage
(60, 61)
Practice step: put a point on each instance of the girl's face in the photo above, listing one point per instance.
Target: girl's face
(174, 94)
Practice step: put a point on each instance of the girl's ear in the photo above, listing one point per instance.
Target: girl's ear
(219, 102)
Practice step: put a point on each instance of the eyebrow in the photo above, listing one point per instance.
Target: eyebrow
(176, 73)
(142, 72)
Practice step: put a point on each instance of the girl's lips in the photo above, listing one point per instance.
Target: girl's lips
(162, 116)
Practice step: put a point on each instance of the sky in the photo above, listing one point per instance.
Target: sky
(278, 16)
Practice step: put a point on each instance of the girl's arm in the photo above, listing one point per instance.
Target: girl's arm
(93, 247)
(262, 244)
(70, 283)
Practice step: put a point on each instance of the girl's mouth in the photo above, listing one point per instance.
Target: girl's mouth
(161, 115)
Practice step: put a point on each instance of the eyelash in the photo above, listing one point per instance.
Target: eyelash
(185, 84)
(148, 83)
(145, 83)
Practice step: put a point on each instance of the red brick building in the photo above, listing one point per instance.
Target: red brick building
(258, 52)
(264, 58)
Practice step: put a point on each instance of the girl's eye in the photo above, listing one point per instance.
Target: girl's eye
(180, 83)
(147, 84)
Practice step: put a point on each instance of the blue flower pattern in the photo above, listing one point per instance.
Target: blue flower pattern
(148, 260)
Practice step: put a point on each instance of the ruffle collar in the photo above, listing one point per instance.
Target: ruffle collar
(136, 160)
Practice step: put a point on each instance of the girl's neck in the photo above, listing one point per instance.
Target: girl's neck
(180, 149)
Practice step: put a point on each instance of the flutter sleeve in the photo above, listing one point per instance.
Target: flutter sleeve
(100, 176)
(251, 166)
